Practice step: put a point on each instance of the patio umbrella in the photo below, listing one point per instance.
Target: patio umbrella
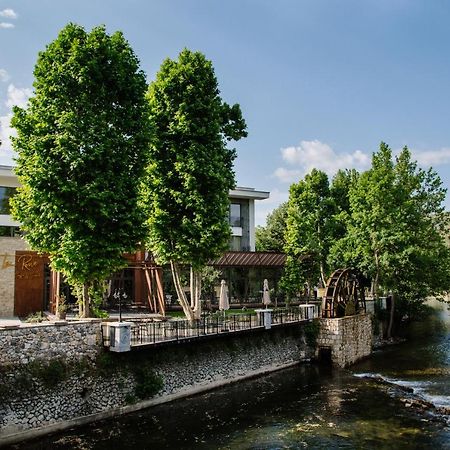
(266, 294)
(224, 304)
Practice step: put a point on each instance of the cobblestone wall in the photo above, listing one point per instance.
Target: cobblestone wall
(8, 247)
(91, 392)
(349, 338)
(71, 341)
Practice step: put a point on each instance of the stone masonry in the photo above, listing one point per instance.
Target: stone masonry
(36, 409)
(72, 341)
(8, 247)
(349, 338)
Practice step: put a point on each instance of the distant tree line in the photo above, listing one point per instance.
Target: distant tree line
(388, 222)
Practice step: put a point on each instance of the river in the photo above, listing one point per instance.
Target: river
(307, 406)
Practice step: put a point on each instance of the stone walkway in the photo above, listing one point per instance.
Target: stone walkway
(8, 321)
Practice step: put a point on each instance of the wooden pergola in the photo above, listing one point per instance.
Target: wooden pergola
(147, 272)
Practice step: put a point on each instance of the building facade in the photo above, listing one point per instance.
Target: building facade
(25, 275)
(242, 217)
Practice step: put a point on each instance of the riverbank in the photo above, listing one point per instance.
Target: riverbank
(306, 406)
(40, 397)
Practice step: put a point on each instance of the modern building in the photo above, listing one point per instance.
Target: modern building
(25, 275)
(242, 217)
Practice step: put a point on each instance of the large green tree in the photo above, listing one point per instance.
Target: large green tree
(395, 229)
(190, 173)
(310, 228)
(82, 143)
(271, 238)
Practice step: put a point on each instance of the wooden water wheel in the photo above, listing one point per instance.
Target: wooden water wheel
(344, 294)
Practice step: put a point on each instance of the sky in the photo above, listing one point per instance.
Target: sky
(320, 82)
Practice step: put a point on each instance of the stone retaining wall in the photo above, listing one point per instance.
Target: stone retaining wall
(348, 338)
(70, 340)
(114, 384)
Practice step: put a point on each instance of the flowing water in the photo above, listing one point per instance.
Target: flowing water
(308, 406)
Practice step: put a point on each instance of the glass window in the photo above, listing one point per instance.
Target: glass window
(235, 244)
(235, 215)
(6, 193)
(10, 231)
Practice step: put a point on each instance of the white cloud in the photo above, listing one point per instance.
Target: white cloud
(4, 75)
(15, 96)
(6, 25)
(287, 175)
(432, 157)
(9, 13)
(264, 207)
(5, 133)
(316, 154)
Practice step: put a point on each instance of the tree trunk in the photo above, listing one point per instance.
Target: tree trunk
(85, 304)
(377, 276)
(197, 294)
(322, 275)
(391, 317)
(182, 299)
(192, 287)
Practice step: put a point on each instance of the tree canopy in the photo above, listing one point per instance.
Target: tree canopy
(82, 145)
(190, 173)
(387, 222)
(395, 228)
(310, 225)
(271, 238)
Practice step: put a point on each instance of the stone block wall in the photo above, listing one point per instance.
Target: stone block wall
(349, 338)
(72, 341)
(98, 392)
(8, 247)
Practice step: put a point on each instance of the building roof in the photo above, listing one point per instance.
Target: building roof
(250, 259)
(246, 192)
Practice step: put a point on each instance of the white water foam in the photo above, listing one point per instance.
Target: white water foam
(419, 388)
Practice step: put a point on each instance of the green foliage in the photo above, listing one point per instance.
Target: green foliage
(106, 363)
(395, 229)
(49, 372)
(271, 238)
(148, 382)
(185, 192)
(312, 331)
(210, 277)
(96, 292)
(37, 317)
(82, 146)
(130, 399)
(310, 230)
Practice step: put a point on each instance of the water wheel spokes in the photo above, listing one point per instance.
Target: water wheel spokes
(344, 294)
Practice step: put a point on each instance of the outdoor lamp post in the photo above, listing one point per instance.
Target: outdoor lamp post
(118, 296)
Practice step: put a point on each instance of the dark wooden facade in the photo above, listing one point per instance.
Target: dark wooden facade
(29, 291)
(37, 288)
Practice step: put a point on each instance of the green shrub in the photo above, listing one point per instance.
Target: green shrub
(148, 382)
(312, 331)
(50, 373)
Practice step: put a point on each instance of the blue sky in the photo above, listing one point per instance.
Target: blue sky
(320, 82)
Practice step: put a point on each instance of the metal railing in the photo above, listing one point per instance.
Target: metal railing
(177, 330)
(299, 314)
(148, 332)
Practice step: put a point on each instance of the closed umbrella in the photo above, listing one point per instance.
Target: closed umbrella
(266, 294)
(224, 303)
